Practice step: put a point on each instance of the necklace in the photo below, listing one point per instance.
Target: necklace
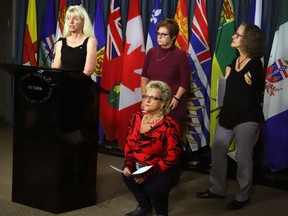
(146, 119)
(240, 62)
(163, 57)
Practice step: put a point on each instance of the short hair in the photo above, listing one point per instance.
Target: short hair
(172, 27)
(79, 11)
(252, 41)
(165, 93)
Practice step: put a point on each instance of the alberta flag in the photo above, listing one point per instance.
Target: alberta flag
(200, 62)
(274, 132)
(156, 16)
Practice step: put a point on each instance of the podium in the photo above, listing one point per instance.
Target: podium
(55, 138)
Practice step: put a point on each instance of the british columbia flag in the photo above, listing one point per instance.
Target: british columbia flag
(200, 64)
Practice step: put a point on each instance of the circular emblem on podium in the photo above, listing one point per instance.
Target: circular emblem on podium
(35, 88)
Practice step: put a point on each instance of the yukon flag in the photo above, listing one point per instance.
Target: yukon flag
(223, 55)
(61, 20)
(181, 17)
(133, 60)
(111, 72)
(200, 63)
(275, 106)
(100, 34)
(47, 36)
(30, 39)
(156, 16)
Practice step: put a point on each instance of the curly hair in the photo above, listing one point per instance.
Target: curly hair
(253, 41)
(165, 93)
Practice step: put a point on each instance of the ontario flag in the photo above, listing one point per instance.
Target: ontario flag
(133, 60)
(156, 16)
(61, 20)
(197, 133)
(111, 72)
(181, 17)
(47, 36)
(275, 106)
(30, 51)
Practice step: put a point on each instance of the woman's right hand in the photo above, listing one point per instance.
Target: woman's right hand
(126, 172)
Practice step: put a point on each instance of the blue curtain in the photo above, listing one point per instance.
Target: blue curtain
(270, 9)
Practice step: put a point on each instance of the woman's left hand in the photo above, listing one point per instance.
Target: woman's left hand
(173, 103)
(139, 179)
(248, 78)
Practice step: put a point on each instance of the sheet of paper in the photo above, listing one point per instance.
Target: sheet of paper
(139, 171)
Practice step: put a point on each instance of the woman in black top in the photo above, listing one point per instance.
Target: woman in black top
(77, 50)
(240, 117)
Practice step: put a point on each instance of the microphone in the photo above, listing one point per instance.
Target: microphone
(51, 51)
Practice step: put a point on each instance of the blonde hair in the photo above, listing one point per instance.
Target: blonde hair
(79, 11)
(165, 93)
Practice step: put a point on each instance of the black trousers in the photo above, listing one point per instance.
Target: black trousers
(154, 192)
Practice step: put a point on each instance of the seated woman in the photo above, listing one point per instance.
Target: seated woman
(153, 139)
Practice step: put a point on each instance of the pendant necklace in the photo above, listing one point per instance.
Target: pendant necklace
(163, 57)
(240, 62)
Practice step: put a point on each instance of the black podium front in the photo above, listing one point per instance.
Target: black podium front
(55, 138)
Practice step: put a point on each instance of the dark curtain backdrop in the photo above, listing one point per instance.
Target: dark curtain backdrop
(270, 11)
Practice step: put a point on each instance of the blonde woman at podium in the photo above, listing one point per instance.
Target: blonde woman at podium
(77, 50)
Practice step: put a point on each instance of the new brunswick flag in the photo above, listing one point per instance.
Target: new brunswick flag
(30, 40)
(181, 17)
(223, 56)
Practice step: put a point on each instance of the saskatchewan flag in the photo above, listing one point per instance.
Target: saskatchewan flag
(223, 55)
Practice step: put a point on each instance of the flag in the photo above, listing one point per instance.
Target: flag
(133, 60)
(275, 106)
(156, 16)
(47, 36)
(255, 13)
(100, 34)
(30, 40)
(181, 17)
(61, 20)
(111, 73)
(223, 56)
(200, 63)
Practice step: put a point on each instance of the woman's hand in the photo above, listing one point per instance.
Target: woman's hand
(173, 103)
(126, 172)
(248, 78)
(139, 179)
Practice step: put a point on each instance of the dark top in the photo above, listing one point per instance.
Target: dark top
(74, 58)
(243, 102)
(170, 66)
(160, 146)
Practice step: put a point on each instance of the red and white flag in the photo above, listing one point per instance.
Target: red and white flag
(133, 60)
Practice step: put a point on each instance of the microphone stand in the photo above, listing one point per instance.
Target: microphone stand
(51, 51)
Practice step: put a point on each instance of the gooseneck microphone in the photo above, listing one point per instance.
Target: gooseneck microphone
(51, 51)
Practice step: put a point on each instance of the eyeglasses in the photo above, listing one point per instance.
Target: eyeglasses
(162, 34)
(238, 35)
(151, 98)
